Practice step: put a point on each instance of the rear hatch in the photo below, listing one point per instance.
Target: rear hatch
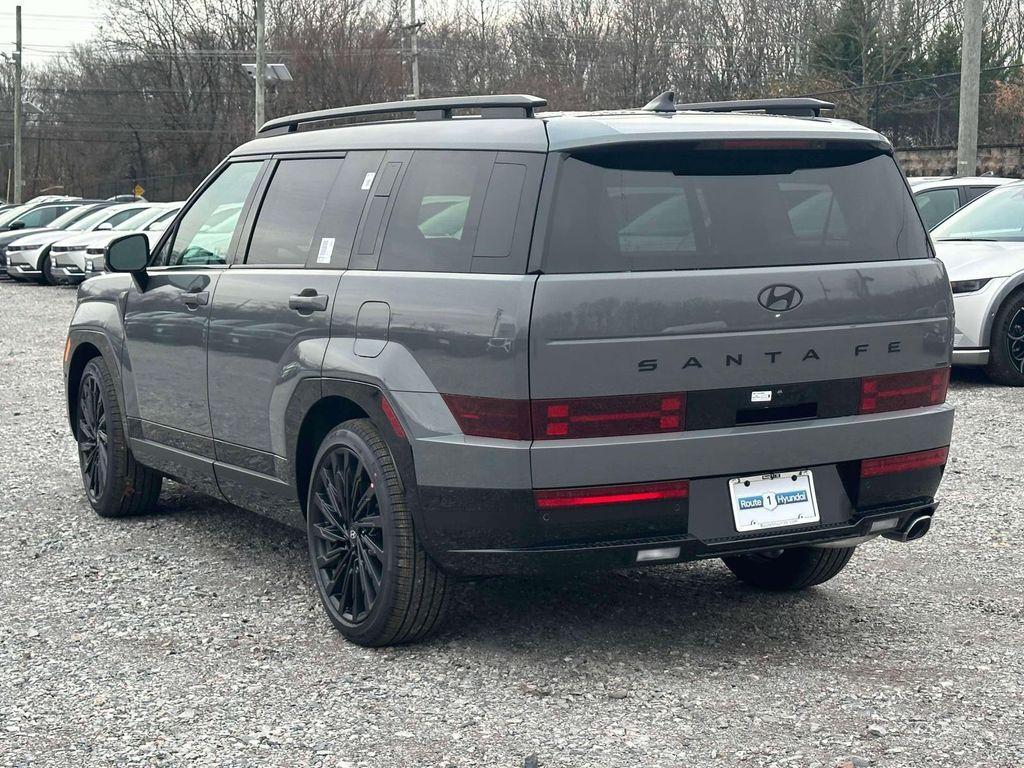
(760, 280)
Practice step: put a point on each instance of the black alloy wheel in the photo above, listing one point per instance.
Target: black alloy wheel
(1015, 341)
(376, 582)
(1006, 358)
(349, 548)
(116, 485)
(93, 437)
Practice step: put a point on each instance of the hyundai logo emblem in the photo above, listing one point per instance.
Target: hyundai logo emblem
(780, 297)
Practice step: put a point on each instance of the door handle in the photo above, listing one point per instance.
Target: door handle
(308, 300)
(193, 299)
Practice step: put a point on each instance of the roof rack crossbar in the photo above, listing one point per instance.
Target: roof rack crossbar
(509, 105)
(799, 107)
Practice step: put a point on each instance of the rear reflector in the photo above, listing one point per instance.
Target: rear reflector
(609, 416)
(491, 416)
(562, 498)
(904, 462)
(392, 417)
(661, 553)
(900, 391)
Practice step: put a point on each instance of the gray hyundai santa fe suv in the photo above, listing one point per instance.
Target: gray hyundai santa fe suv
(489, 340)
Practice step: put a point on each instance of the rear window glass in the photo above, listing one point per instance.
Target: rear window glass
(682, 206)
(434, 224)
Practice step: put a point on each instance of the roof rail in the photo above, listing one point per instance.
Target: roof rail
(799, 107)
(509, 105)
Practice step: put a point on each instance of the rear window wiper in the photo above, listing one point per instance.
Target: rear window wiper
(967, 240)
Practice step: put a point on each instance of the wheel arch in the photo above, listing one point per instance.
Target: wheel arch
(1012, 286)
(85, 345)
(320, 406)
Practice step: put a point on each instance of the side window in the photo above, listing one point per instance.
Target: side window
(162, 222)
(38, 217)
(973, 193)
(501, 207)
(336, 234)
(937, 204)
(433, 227)
(291, 210)
(204, 233)
(120, 216)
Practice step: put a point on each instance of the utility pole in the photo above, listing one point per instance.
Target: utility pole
(414, 29)
(17, 106)
(970, 84)
(261, 64)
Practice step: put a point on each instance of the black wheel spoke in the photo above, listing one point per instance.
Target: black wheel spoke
(364, 502)
(372, 547)
(370, 521)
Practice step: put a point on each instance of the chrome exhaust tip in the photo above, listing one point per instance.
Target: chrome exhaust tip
(912, 531)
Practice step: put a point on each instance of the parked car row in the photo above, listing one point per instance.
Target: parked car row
(63, 241)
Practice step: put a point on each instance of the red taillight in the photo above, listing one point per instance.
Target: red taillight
(609, 416)
(899, 391)
(562, 498)
(904, 462)
(491, 416)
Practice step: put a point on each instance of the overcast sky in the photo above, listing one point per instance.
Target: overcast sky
(48, 27)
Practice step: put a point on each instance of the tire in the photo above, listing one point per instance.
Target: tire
(791, 569)
(1006, 345)
(46, 268)
(376, 582)
(115, 483)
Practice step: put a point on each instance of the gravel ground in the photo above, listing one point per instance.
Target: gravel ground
(193, 636)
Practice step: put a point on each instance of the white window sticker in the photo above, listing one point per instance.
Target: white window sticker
(763, 396)
(368, 180)
(326, 249)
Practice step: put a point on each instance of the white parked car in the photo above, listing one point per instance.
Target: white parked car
(982, 246)
(29, 257)
(70, 256)
(939, 196)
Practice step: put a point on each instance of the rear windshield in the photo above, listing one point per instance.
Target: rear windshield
(687, 206)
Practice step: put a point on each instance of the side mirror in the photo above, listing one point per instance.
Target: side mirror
(106, 226)
(127, 254)
(16, 225)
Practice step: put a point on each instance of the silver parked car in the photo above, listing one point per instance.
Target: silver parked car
(31, 257)
(71, 255)
(939, 196)
(982, 247)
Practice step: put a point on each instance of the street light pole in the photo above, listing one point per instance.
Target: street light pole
(970, 84)
(261, 64)
(17, 106)
(415, 50)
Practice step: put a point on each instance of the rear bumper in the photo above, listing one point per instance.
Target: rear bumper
(476, 511)
(612, 553)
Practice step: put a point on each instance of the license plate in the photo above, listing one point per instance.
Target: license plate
(773, 500)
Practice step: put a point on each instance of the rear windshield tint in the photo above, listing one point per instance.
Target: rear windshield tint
(684, 206)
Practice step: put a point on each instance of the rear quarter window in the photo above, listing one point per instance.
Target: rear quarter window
(682, 206)
(433, 226)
